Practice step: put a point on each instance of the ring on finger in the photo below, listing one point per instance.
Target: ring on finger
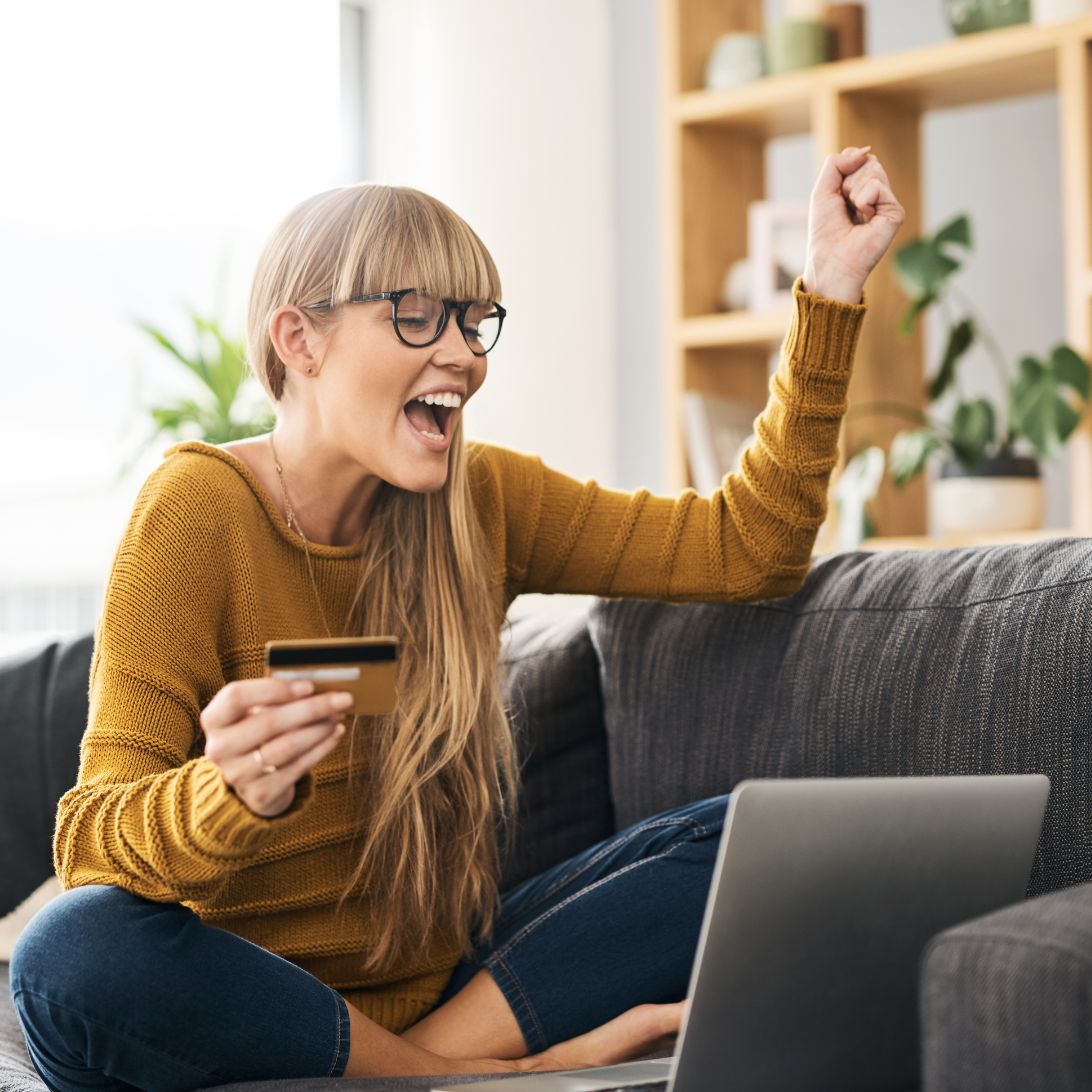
(266, 768)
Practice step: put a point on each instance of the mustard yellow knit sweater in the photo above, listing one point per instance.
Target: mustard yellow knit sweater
(207, 571)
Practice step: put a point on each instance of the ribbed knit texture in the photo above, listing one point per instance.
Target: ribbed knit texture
(207, 572)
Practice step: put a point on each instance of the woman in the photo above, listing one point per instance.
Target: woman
(248, 896)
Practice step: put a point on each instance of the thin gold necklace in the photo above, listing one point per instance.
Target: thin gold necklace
(291, 518)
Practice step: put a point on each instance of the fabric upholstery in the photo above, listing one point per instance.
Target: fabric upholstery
(938, 662)
(1006, 1000)
(551, 691)
(43, 710)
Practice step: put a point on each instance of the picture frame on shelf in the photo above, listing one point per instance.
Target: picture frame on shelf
(777, 241)
(717, 430)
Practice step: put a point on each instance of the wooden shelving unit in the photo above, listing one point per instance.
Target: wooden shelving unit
(715, 144)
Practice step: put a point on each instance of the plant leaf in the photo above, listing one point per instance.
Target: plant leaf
(196, 365)
(960, 339)
(915, 308)
(910, 450)
(1040, 410)
(958, 231)
(974, 427)
(922, 268)
(1070, 369)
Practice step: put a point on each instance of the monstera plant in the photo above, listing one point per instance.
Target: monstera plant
(989, 450)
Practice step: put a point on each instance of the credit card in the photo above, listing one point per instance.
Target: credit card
(365, 667)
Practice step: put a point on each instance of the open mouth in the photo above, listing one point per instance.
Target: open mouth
(432, 421)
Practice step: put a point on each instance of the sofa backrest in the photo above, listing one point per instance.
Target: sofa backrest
(915, 662)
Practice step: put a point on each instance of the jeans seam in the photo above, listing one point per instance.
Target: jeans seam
(216, 1073)
(510, 978)
(500, 953)
(342, 1010)
(698, 828)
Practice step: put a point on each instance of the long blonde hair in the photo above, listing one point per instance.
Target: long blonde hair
(441, 782)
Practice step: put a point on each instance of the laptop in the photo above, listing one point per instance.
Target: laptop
(823, 898)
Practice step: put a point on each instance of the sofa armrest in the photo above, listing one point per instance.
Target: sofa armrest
(1006, 999)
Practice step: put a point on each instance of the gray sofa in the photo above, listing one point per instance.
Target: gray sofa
(936, 662)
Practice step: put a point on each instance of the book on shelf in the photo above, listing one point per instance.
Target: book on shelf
(717, 430)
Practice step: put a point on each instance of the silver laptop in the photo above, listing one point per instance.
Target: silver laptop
(824, 896)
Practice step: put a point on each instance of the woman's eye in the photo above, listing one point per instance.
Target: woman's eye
(411, 321)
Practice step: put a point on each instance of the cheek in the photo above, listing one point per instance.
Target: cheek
(477, 377)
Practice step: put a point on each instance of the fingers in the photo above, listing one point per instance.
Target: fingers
(262, 723)
(283, 752)
(269, 794)
(835, 169)
(233, 700)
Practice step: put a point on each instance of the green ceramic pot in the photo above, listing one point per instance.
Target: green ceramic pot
(971, 16)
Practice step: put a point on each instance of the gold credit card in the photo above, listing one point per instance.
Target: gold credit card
(365, 667)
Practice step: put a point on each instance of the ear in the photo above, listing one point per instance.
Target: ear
(296, 340)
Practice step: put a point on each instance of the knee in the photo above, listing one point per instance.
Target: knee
(67, 948)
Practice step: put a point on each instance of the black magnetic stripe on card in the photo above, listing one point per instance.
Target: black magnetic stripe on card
(338, 654)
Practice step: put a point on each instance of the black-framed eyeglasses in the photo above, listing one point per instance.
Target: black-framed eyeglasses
(419, 319)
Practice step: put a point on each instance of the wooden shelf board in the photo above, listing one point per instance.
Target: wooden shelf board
(980, 538)
(978, 68)
(734, 329)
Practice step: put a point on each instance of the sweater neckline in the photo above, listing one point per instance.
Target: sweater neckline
(293, 538)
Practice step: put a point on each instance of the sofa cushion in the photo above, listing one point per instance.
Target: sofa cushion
(1005, 999)
(551, 691)
(913, 662)
(43, 710)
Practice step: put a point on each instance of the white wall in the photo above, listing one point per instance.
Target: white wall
(145, 146)
(502, 110)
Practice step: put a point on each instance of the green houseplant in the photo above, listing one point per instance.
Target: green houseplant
(989, 452)
(227, 402)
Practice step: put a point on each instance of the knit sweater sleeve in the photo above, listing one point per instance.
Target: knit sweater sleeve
(751, 539)
(149, 812)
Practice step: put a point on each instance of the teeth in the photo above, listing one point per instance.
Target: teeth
(448, 398)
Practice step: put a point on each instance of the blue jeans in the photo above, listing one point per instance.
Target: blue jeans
(116, 991)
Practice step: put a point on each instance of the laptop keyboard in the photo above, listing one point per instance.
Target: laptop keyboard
(653, 1086)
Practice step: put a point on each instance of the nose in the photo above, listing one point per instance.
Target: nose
(451, 347)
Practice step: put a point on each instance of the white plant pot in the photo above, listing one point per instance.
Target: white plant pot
(1058, 11)
(969, 504)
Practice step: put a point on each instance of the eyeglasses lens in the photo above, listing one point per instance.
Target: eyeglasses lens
(419, 318)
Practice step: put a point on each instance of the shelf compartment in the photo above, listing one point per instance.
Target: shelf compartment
(979, 68)
(741, 329)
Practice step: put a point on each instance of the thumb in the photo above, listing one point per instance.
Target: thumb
(836, 167)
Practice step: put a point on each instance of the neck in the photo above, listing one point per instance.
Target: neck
(330, 493)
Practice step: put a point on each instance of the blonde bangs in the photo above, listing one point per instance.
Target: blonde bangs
(406, 239)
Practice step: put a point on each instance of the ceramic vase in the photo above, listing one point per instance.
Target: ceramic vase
(971, 16)
(1001, 494)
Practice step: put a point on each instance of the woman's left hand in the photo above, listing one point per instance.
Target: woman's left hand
(852, 219)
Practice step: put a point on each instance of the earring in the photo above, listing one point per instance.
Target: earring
(310, 371)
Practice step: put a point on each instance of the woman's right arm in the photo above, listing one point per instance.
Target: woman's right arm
(152, 811)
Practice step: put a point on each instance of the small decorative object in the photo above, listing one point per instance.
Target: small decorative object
(1058, 11)
(796, 44)
(717, 430)
(846, 23)
(971, 16)
(989, 476)
(777, 241)
(856, 486)
(736, 59)
(804, 11)
(735, 290)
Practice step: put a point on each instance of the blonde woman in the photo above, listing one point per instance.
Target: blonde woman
(256, 889)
